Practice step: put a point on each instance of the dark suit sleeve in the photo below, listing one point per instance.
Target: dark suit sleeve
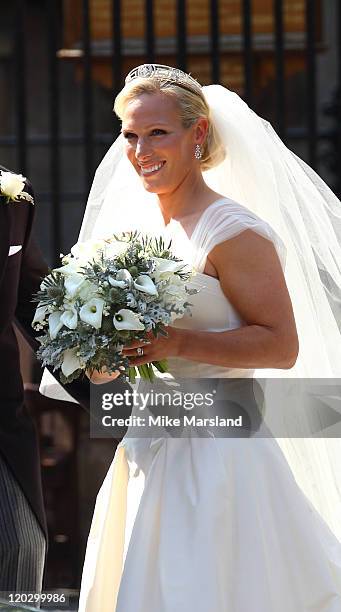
(33, 269)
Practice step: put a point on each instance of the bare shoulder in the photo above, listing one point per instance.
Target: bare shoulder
(251, 276)
(247, 250)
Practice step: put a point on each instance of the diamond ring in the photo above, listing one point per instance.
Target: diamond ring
(139, 351)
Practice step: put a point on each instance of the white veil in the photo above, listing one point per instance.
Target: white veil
(260, 173)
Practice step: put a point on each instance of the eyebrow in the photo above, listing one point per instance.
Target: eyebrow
(148, 127)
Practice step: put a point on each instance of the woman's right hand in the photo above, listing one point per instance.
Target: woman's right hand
(100, 378)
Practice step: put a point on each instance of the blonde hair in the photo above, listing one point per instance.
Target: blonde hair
(191, 106)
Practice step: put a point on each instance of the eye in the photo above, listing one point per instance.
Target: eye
(129, 135)
(158, 132)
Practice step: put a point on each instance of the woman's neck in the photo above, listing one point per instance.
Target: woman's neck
(189, 197)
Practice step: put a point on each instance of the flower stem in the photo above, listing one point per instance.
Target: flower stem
(151, 372)
(132, 374)
(144, 371)
(162, 365)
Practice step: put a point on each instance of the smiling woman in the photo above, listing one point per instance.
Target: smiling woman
(170, 111)
(169, 139)
(186, 157)
(158, 145)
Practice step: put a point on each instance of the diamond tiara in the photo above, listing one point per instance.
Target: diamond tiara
(165, 74)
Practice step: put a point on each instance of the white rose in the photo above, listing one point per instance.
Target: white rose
(176, 284)
(71, 268)
(86, 291)
(175, 293)
(11, 184)
(86, 251)
(176, 289)
(114, 248)
(73, 283)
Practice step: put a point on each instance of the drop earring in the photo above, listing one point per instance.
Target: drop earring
(197, 152)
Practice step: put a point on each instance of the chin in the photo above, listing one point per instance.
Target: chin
(150, 188)
(154, 187)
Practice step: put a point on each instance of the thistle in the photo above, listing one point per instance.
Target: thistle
(52, 290)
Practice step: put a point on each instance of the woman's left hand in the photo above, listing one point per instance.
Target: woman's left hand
(155, 349)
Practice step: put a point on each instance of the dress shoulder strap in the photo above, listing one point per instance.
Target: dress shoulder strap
(225, 219)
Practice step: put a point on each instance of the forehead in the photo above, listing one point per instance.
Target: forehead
(147, 109)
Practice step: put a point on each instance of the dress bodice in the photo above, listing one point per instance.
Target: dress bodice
(211, 310)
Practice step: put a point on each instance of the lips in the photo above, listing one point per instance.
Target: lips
(151, 168)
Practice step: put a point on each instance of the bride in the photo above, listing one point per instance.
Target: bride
(218, 524)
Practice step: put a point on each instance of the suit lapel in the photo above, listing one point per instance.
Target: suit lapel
(29, 226)
(5, 232)
(5, 225)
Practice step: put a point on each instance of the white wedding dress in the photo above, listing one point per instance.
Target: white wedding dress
(207, 524)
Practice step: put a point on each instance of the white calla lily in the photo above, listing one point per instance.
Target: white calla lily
(71, 362)
(122, 280)
(73, 283)
(167, 267)
(39, 315)
(114, 283)
(127, 319)
(69, 317)
(123, 275)
(92, 311)
(145, 284)
(55, 324)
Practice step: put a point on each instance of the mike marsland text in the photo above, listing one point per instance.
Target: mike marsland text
(166, 421)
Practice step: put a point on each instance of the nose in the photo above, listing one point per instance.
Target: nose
(143, 150)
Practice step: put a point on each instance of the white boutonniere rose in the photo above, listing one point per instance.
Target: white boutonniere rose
(12, 187)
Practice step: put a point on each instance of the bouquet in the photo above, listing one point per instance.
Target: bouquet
(106, 294)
